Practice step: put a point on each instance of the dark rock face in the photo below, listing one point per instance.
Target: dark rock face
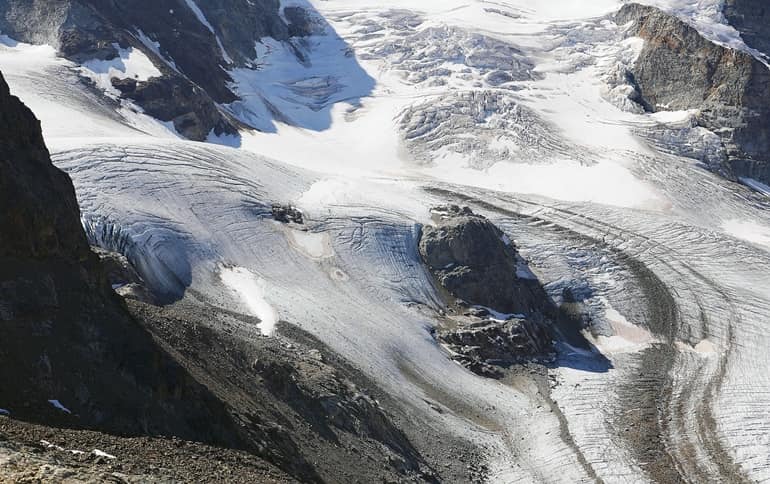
(191, 55)
(40, 216)
(290, 396)
(474, 261)
(752, 19)
(66, 335)
(123, 277)
(172, 98)
(485, 345)
(287, 214)
(679, 69)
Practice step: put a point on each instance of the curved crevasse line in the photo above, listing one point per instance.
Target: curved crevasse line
(680, 439)
(158, 258)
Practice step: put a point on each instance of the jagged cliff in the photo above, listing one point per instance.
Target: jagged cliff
(679, 69)
(752, 19)
(192, 44)
(66, 334)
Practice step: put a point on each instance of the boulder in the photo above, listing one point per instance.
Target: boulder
(287, 214)
(483, 346)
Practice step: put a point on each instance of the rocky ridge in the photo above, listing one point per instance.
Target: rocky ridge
(82, 369)
(192, 44)
(72, 338)
(679, 69)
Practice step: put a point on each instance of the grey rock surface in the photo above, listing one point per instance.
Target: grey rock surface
(475, 262)
(123, 277)
(484, 345)
(679, 69)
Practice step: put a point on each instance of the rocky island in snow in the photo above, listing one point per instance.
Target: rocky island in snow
(347, 241)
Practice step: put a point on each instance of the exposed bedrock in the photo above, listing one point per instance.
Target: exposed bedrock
(192, 43)
(752, 19)
(679, 69)
(66, 335)
(479, 265)
(191, 370)
(476, 262)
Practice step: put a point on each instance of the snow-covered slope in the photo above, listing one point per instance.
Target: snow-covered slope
(514, 109)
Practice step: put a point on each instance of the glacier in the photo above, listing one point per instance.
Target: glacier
(502, 106)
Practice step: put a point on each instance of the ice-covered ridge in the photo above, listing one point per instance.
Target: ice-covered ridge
(708, 18)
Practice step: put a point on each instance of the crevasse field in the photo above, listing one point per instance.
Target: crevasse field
(412, 105)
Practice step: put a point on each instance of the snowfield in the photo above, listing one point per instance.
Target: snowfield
(503, 106)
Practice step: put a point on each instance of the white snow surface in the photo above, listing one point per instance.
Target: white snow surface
(130, 64)
(251, 289)
(58, 405)
(101, 453)
(748, 230)
(354, 138)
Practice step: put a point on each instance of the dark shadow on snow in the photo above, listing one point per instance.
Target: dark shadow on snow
(301, 85)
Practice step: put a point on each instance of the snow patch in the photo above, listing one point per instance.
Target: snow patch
(315, 245)
(100, 453)
(627, 336)
(4, 412)
(57, 404)
(674, 117)
(154, 46)
(130, 63)
(199, 14)
(49, 445)
(251, 289)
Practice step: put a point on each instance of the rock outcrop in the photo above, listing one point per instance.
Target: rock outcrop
(485, 345)
(287, 214)
(477, 264)
(679, 69)
(752, 19)
(66, 335)
(191, 43)
(75, 355)
(123, 277)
